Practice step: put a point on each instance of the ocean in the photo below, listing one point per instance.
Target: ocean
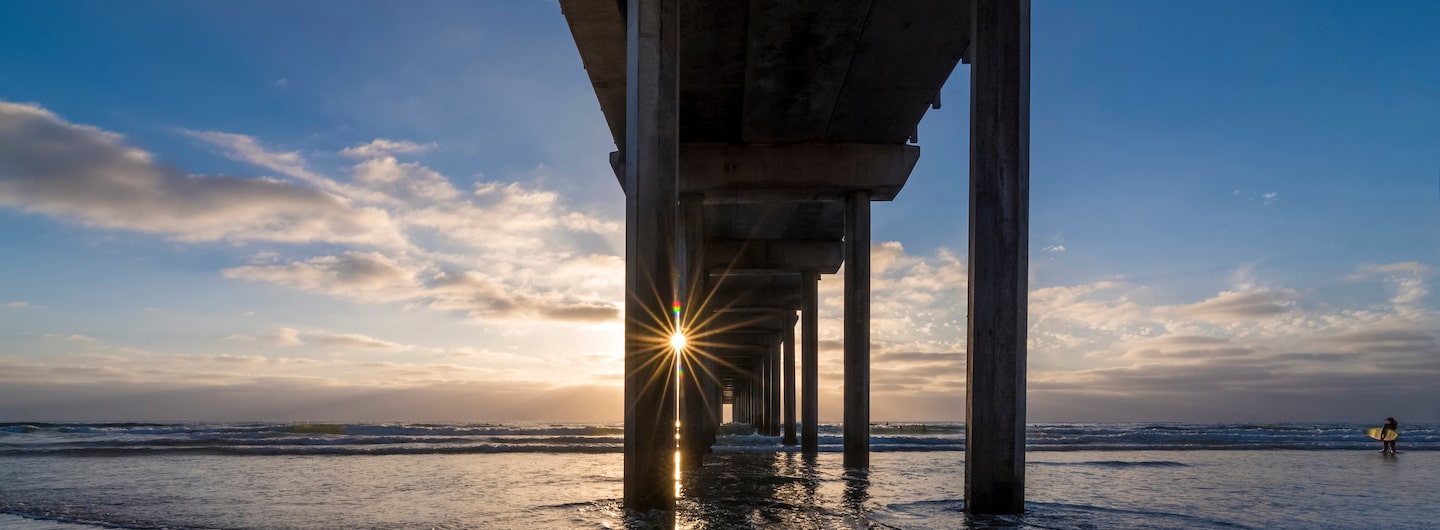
(68, 476)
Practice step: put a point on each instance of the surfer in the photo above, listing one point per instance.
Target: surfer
(1387, 443)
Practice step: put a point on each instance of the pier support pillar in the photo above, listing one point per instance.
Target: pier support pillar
(651, 183)
(788, 351)
(809, 364)
(857, 330)
(775, 379)
(737, 411)
(766, 385)
(999, 256)
(716, 393)
(761, 392)
(694, 408)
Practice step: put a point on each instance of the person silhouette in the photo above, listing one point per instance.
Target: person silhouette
(1387, 444)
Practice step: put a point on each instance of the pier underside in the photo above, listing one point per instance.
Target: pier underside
(751, 138)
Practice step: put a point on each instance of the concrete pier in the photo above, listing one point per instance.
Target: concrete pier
(788, 351)
(784, 120)
(809, 363)
(651, 184)
(776, 379)
(999, 251)
(694, 375)
(857, 330)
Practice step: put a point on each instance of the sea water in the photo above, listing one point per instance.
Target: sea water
(534, 476)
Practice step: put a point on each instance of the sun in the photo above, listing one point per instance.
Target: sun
(677, 341)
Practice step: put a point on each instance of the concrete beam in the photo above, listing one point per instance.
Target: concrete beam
(724, 255)
(598, 27)
(880, 169)
(999, 257)
(652, 119)
(819, 171)
(748, 321)
(736, 300)
(802, 50)
(738, 344)
(892, 80)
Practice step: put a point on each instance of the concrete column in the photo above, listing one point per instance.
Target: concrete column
(789, 367)
(809, 363)
(749, 401)
(776, 393)
(737, 411)
(764, 376)
(693, 406)
(758, 393)
(999, 256)
(767, 377)
(716, 401)
(857, 330)
(651, 174)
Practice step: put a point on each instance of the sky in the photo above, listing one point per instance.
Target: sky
(403, 211)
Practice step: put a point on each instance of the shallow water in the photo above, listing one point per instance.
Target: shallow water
(1073, 490)
(749, 483)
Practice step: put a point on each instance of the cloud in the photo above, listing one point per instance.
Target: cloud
(50, 166)
(381, 147)
(1249, 354)
(376, 278)
(1234, 306)
(403, 183)
(368, 276)
(247, 148)
(17, 305)
(288, 337)
(1266, 198)
(72, 337)
(1409, 280)
(355, 340)
(540, 259)
(484, 297)
(301, 399)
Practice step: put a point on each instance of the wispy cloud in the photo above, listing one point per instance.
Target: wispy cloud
(381, 147)
(405, 232)
(21, 304)
(77, 172)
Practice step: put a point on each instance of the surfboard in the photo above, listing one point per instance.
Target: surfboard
(1390, 436)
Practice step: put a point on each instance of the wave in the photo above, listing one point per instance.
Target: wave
(336, 450)
(34, 438)
(1114, 464)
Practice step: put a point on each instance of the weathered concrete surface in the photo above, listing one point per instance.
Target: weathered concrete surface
(788, 350)
(827, 169)
(857, 331)
(651, 179)
(809, 363)
(787, 111)
(999, 250)
(756, 255)
(696, 380)
(802, 71)
(784, 171)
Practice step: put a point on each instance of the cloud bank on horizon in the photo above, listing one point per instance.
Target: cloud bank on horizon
(408, 239)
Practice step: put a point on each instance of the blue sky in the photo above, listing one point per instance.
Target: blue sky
(371, 210)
